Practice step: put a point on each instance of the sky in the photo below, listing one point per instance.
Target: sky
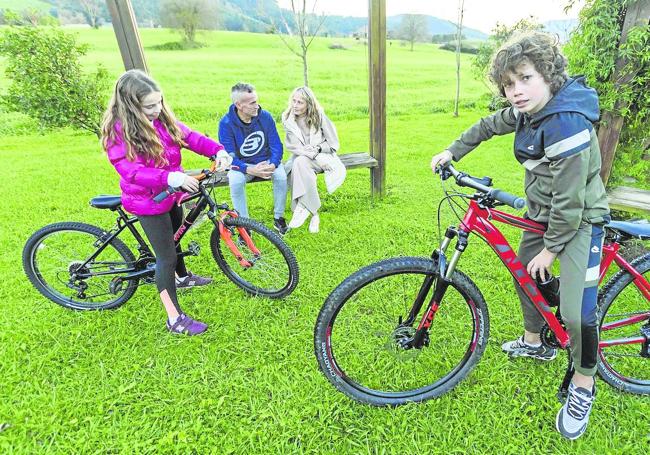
(479, 14)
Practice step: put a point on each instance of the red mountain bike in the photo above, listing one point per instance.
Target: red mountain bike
(408, 329)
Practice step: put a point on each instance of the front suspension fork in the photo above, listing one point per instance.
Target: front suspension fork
(444, 274)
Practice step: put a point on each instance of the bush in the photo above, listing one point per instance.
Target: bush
(47, 82)
(337, 46)
(593, 51)
(464, 48)
(177, 46)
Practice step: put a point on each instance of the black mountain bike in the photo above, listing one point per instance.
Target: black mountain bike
(84, 267)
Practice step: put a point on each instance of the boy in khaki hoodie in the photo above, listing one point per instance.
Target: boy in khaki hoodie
(552, 117)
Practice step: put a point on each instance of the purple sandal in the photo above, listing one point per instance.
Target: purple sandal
(185, 325)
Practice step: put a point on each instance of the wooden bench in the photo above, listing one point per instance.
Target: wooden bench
(629, 199)
(350, 160)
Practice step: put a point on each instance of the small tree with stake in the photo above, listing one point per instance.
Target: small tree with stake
(307, 27)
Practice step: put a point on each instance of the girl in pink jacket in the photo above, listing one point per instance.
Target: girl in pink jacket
(143, 141)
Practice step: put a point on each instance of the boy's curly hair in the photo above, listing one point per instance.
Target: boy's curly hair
(539, 49)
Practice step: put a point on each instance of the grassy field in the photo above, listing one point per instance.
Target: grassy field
(116, 382)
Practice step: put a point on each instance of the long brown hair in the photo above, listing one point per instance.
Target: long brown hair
(138, 133)
(314, 109)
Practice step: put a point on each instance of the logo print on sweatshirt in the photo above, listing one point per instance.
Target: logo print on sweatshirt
(252, 144)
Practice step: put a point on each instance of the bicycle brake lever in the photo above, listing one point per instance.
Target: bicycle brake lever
(444, 172)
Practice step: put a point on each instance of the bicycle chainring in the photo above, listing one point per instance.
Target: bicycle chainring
(548, 337)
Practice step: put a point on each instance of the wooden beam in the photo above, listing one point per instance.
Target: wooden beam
(629, 199)
(637, 14)
(126, 32)
(377, 93)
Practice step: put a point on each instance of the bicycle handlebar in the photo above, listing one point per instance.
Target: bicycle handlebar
(170, 189)
(467, 180)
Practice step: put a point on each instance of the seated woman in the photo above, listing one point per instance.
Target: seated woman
(312, 140)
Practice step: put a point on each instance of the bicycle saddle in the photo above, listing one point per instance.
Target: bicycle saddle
(106, 201)
(639, 230)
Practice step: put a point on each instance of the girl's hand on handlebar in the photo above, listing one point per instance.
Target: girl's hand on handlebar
(440, 159)
(190, 184)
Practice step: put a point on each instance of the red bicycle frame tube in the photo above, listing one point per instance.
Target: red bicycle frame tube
(610, 254)
(477, 220)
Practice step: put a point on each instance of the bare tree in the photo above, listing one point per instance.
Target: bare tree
(307, 26)
(459, 37)
(188, 16)
(413, 28)
(92, 11)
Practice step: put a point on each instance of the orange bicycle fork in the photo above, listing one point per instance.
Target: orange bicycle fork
(227, 237)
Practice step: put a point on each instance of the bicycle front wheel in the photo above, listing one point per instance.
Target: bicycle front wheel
(270, 272)
(624, 311)
(359, 329)
(56, 261)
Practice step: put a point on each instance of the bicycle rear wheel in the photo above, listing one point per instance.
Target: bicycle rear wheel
(357, 334)
(54, 258)
(623, 313)
(272, 273)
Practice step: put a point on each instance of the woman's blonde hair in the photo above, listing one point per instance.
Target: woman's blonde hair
(314, 109)
(138, 132)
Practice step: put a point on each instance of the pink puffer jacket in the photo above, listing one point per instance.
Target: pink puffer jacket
(141, 180)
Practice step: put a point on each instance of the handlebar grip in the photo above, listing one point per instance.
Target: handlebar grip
(509, 199)
(163, 195)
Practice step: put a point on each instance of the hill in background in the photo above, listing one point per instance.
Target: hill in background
(258, 16)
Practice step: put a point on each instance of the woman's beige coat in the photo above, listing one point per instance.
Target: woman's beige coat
(327, 138)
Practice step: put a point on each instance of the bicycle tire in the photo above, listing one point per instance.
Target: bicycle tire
(622, 366)
(364, 378)
(49, 256)
(274, 274)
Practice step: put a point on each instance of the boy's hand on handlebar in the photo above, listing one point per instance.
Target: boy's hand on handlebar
(440, 159)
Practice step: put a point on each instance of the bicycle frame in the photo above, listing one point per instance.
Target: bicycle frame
(140, 269)
(478, 220)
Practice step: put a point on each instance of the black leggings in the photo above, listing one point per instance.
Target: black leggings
(160, 232)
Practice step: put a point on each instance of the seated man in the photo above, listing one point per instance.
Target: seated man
(249, 135)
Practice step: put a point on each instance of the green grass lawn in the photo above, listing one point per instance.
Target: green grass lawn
(116, 381)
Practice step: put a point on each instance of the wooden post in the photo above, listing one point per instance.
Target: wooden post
(126, 32)
(638, 14)
(377, 93)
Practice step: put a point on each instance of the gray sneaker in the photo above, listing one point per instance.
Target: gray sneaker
(573, 417)
(519, 348)
(192, 280)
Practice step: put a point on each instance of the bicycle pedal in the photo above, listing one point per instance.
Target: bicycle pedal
(193, 248)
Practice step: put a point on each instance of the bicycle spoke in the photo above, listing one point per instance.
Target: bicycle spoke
(61, 265)
(624, 315)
